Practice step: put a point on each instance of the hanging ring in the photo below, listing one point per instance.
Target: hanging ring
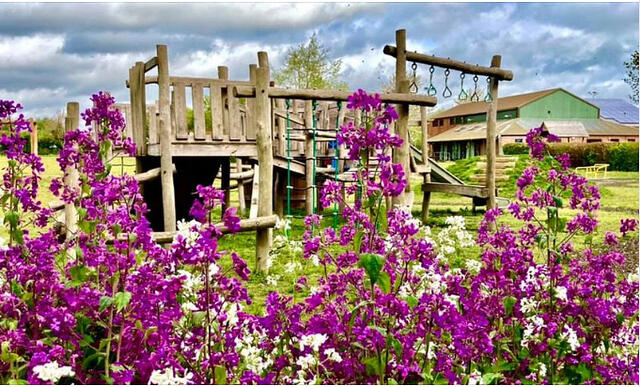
(463, 94)
(413, 87)
(475, 97)
(488, 97)
(431, 90)
(446, 93)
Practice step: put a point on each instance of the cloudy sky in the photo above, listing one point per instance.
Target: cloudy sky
(54, 53)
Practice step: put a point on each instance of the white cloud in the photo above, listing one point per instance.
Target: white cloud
(25, 51)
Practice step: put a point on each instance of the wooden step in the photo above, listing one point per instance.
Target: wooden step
(481, 178)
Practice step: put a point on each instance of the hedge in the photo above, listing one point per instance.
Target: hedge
(619, 156)
(515, 148)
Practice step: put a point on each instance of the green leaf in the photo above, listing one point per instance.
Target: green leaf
(412, 301)
(105, 302)
(619, 318)
(558, 201)
(509, 302)
(384, 281)
(220, 374)
(357, 241)
(392, 382)
(585, 371)
(79, 274)
(372, 366)
(491, 377)
(17, 382)
(121, 300)
(354, 313)
(12, 217)
(372, 264)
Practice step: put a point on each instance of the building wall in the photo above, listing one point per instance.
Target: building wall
(559, 105)
(608, 138)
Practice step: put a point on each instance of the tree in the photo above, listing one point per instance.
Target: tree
(632, 76)
(308, 66)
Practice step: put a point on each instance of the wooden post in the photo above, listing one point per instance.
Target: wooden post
(34, 137)
(251, 106)
(226, 182)
(309, 160)
(138, 107)
(166, 162)
(241, 201)
(491, 136)
(282, 129)
(401, 154)
(71, 176)
(223, 74)
(426, 195)
(265, 158)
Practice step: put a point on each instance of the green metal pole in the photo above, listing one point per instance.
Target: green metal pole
(289, 187)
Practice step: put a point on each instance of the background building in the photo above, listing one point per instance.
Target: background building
(460, 132)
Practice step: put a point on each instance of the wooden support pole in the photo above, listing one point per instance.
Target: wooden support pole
(401, 154)
(226, 182)
(491, 136)
(241, 202)
(223, 74)
(71, 177)
(281, 124)
(308, 153)
(151, 174)
(33, 137)
(166, 162)
(265, 158)
(426, 177)
(500, 74)
(251, 106)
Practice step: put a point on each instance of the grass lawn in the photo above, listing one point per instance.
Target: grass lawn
(619, 200)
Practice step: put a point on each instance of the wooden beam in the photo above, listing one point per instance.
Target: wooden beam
(150, 64)
(239, 175)
(166, 162)
(500, 74)
(255, 191)
(401, 154)
(209, 148)
(254, 224)
(151, 174)
(459, 189)
(333, 95)
(294, 118)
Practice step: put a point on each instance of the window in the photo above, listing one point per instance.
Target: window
(631, 140)
(589, 140)
(518, 140)
(435, 123)
(452, 121)
(614, 140)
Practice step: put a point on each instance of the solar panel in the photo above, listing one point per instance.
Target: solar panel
(615, 109)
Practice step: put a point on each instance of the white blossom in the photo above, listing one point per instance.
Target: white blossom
(314, 341)
(331, 354)
(475, 378)
(272, 279)
(168, 377)
(561, 293)
(52, 372)
(572, 338)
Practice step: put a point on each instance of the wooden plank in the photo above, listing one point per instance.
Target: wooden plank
(251, 107)
(152, 79)
(180, 109)
(255, 191)
(166, 163)
(150, 64)
(216, 112)
(152, 113)
(282, 113)
(500, 74)
(401, 154)
(71, 176)
(197, 97)
(151, 174)
(235, 124)
(238, 176)
(458, 189)
(211, 149)
(334, 95)
(138, 112)
(223, 75)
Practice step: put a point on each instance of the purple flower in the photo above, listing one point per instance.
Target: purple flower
(231, 220)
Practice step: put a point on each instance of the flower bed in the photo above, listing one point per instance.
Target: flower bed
(103, 303)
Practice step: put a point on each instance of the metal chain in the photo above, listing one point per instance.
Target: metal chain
(413, 87)
(447, 91)
(463, 94)
(337, 163)
(488, 97)
(475, 97)
(431, 90)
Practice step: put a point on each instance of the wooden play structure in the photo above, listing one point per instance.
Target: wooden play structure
(283, 141)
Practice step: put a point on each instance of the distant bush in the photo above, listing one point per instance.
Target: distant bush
(619, 156)
(515, 148)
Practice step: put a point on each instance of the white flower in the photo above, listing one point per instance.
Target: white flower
(51, 372)
(473, 266)
(452, 299)
(314, 341)
(315, 260)
(475, 378)
(528, 305)
(572, 338)
(331, 354)
(542, 371)
(272, 279)
(292, 267)
(167, 377)
(633, 277)
(561, 293)
(306, 361)
(284, 224)
(232, 314)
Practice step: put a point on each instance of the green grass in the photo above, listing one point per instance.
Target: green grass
(619, 200)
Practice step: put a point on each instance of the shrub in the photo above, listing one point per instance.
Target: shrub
(515, 148)
(619, 156)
